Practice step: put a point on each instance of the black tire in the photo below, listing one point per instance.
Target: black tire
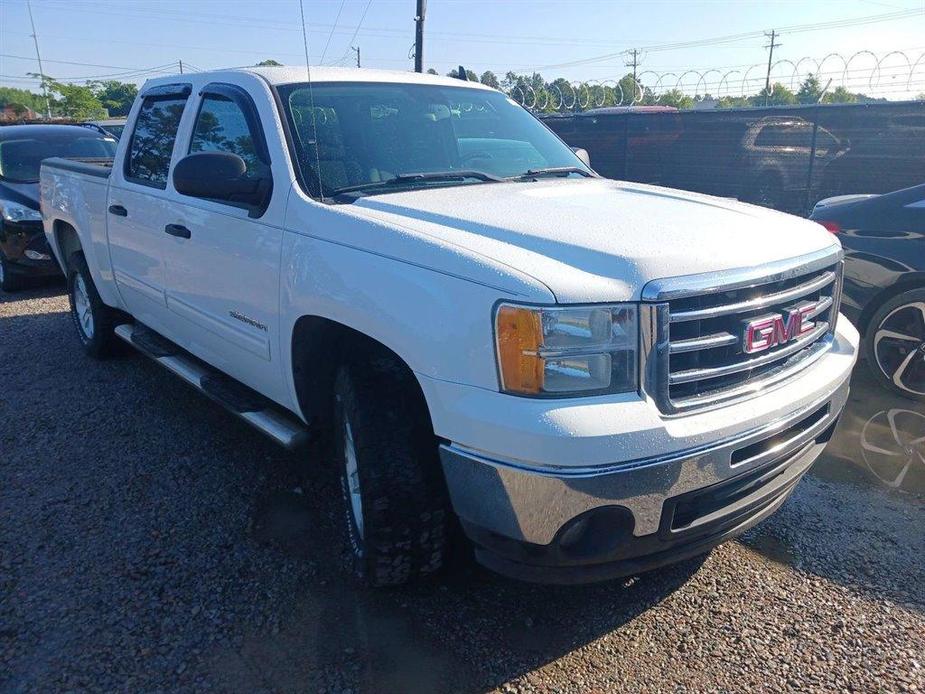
(402, 528)
(899, 364)
(99, 340)
(9, 281)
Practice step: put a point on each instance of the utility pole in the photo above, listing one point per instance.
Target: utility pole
(767, 82)
(38, 57)
(181, 66)
(419, 36)
(357, 50)
(635, 63)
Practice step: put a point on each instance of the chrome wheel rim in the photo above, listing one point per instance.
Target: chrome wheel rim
(888, 449)
(82, 309)
(352, 475)
(899, 347)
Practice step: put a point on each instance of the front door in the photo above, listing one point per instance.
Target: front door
(223, 271)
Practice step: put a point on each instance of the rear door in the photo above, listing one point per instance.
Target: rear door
(139, 204)
(223, 279)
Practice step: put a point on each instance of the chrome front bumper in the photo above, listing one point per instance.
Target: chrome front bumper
(532, 505)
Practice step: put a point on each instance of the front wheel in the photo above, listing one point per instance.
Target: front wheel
(395, 502)
(895, 344)
(93, 319)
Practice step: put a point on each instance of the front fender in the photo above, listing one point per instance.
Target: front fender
(439, 324)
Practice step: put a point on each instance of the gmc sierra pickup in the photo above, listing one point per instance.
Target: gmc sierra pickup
(597, 378)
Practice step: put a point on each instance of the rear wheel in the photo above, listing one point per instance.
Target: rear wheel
(395, 502)
(94, 320)
(895, 344)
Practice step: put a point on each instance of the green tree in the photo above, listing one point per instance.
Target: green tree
(470, 74)
(269, 62)
(116, 97)
(840, 95)
(779, 96)
(676, 98)
(810, 91)
(10, 96)
(490, 79)
(73, 100)
(630, 91)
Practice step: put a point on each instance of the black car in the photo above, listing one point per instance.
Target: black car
(884, 291)
(23, 249)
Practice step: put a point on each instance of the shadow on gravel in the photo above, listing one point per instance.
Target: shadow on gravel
(38, 289)
(856, 519)
(339, 637)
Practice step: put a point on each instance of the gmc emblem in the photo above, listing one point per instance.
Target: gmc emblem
(775, 329)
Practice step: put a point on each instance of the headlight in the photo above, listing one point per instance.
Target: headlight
(14, 212)
(567, 351)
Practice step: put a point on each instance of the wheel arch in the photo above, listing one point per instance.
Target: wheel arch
(67, 242)
(319, 347)
(907, 282)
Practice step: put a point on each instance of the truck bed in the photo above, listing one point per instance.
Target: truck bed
(98, 167)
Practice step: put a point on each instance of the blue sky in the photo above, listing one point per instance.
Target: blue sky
(115, 37)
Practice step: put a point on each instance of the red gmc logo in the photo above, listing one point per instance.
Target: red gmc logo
(767, 331)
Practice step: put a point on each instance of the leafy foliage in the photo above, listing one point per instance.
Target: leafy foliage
(470, 74)
(810, 91)
(116, 97)
(22, 98)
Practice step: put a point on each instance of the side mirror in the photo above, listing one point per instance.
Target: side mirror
(583, 155)
(219, 176)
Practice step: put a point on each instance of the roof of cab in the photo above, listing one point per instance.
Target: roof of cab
(292, 74)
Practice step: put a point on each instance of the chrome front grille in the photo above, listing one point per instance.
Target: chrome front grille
(697, 328)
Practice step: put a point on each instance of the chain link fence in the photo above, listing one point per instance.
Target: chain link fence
(786, 158)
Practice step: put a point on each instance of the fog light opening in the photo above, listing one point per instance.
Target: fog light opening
(595, 533)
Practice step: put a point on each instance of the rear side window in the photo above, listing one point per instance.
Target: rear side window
(152, 140)
(221, 126)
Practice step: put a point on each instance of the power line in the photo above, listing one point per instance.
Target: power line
(328, 42)
(732, 38)
(357, 30)
(70, 62)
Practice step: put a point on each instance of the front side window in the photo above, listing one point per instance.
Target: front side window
(222, 127)
(152, 140)
(366, 134)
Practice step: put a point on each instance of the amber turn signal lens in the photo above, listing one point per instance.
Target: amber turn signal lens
(520, 334)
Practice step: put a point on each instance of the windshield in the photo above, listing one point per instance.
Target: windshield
(21, 157)
(369, 133)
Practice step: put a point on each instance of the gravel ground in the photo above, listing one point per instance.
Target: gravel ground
(150, 542)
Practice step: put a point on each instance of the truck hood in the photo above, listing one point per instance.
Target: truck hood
(592, 240)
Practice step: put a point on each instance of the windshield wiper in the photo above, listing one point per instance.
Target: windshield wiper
(401, 179)
(554, 171)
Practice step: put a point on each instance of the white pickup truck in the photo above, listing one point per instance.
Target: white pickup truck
(595, 377)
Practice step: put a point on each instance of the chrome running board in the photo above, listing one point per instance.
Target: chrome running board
(261, 413)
